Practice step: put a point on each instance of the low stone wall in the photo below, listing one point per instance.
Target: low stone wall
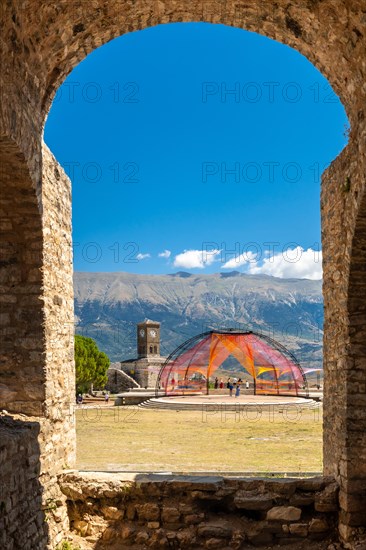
(112, 510)
(33, 512)
(22, 521)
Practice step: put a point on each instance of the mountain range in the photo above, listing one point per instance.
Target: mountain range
(109, 305)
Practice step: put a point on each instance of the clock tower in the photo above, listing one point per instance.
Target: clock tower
(145, 368)
(148, 339)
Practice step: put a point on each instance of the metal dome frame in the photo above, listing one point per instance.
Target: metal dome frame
(190, 341)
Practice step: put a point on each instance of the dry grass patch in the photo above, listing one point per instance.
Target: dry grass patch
(129, 438)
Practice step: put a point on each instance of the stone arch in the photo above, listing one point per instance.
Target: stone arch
(40, 46)
(306, 28)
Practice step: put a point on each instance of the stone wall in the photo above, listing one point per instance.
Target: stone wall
(22, 387)
(40, 44)
(32, 507)
(33, 512)
(37, 376)
(344, 330)
(145, 370)
(20, 488)
(164, 511)
(58, 308)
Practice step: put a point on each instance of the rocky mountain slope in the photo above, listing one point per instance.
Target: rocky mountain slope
(108, 306)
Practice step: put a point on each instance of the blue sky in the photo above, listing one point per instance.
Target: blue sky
(185, 138)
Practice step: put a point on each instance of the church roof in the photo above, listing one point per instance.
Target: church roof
(149, 322)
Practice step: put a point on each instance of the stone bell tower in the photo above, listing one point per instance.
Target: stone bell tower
(148, 339)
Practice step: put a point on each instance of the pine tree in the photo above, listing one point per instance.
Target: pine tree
(91, 365)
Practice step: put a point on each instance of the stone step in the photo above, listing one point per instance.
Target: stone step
(154, 403)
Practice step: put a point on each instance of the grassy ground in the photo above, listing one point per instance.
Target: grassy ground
(150, 440)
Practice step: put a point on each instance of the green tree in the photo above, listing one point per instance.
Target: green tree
(91, 365)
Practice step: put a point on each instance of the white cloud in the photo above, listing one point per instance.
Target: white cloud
(190, 259)
(238, 261)
(291, 263)
(165, 254)
(143, 256)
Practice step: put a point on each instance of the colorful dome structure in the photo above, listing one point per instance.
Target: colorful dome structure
(274, 369)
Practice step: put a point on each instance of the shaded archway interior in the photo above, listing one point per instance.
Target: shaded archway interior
(22, 388)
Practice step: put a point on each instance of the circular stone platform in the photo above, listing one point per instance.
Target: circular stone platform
(208, 402)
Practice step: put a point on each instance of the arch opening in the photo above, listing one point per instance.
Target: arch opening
(149, 202)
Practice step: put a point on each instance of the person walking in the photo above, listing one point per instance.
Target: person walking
(231, 387)
(221, 384)
(237, 389)
(216, 383)
(247, 385)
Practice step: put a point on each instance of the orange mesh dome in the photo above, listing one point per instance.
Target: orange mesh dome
(273, 368)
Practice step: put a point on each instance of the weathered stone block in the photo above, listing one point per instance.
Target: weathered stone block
(204, 495)
(142, 537)
(302, 499)
(214, 543)
(271, 527)
(148, 511)
(186, 508)
(327, 500)
(252, 501)
(194, 518)
(281, 486)
(299, 529)
(174, 526)
(352, 502)
(218, 529)
(170, 514)
(158, 539)
(195, 483)
(109, 534)
(318, 525)
(153, 525)
(284, 513)
(186, 537)
(111, 512)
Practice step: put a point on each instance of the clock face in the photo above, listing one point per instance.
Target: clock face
(153, 333)
(142, 332)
